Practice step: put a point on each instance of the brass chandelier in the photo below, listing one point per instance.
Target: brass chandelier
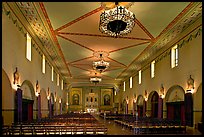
(117, 21)
(95, 79)
(101, 65)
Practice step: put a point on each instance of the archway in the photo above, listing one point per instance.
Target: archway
(175, 103)
(153, 103)
(28, 97)
(139, 103)
(7, 100)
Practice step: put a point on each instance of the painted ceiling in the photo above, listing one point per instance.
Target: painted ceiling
(70, 34)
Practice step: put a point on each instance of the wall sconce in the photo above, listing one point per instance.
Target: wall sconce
(127, 100)
(37, 88)
(162, 91)
(16, 77)
(48, 94)
(134, 100)
(190, 85)
(55, 96)
(67, 103)
(60, 100)
(145, 95)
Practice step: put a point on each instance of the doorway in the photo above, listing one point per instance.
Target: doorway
(27, 110)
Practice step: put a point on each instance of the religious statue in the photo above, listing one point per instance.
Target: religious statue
(37, 86)
(190, 83)
(16, 77)
(162, 90)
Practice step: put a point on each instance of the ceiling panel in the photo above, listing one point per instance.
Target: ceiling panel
(155, 16)
(61, 13)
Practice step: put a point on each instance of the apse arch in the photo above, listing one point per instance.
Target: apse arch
(7, 100)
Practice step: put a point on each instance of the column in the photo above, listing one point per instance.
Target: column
(39, 107)
(19, 104)
(160, 107)
(49, 104)
(126, 111)
(60, 108)
(144, 108)
(187, 116)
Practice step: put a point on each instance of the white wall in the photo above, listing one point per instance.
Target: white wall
(14, 55)
(190, 63)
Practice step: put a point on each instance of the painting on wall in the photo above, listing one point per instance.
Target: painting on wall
(75, 99)
(75, 96)
(106, 97)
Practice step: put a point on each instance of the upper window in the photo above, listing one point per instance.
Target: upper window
(124, 86)
(152, 68)
(43, 64)
(57, 79)
(140, 76)
(174, 56)
(62, 85)
(130, 82)
(28, 47)
(52, 73)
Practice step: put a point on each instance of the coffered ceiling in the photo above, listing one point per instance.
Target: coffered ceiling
(70, 34)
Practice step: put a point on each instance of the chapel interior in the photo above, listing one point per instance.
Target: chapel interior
(102, 68)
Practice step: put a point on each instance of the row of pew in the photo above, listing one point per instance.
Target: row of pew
(65, 124)
(147, 125)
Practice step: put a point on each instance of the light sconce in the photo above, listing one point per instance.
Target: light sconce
(37, 89)
(162, 91)
(60, 101)
(16, 77)
(134, 100)
(145, 96)
(55, 96)
(127, 100)
(190, 85)
(48, 94)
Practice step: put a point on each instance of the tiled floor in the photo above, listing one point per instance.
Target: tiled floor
(115, 129)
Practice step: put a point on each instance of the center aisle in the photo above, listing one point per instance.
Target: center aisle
(113, 128)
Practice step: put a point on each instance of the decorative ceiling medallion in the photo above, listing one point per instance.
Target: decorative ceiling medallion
(111, 5)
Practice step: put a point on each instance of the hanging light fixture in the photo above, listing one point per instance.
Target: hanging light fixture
(95, 79)
(101, 65)
(117, 21)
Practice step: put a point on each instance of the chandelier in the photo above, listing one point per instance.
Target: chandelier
(100, 65)
(117, 21)
(95, 79)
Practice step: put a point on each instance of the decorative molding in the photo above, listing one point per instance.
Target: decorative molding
(14, 20)
(22, 29)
